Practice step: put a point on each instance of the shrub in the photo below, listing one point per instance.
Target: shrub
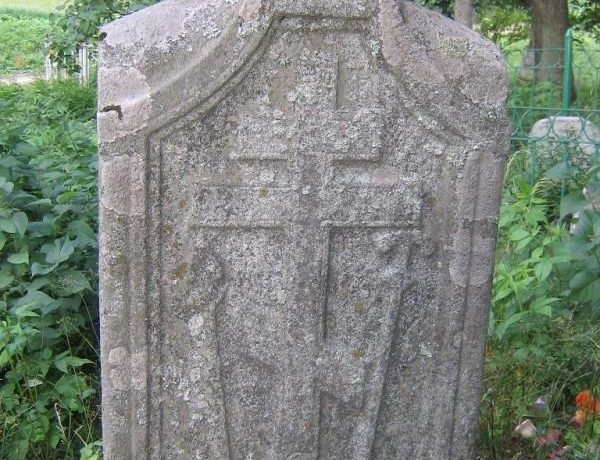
(48, 274)
(79, 22)
(544, 334)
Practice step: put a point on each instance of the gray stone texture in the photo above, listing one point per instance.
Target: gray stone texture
(298, 220)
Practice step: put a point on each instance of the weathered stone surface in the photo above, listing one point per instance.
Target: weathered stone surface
(298, 215)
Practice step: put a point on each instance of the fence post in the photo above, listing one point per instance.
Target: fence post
(84, 64)
(567, 72)
(49, 73)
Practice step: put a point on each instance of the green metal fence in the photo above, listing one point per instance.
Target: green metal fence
(555, 108)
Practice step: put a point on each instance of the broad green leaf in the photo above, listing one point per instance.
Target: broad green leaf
(590, 292)
(84, 234)
(577, 245)
(37, 300)
(523, 243)
(49, 334)
(41, 228)
(59, 251)
(5, 185)
(503, 327)
(21, 199)
(559, 259)
(2, 240)
(19, 258)
(25, 149)
(87, 393)
(39, 269)
(521, 353)
(518, 234)
(6, 278)
(537, 253)
(38, 283)
(581, 279)
(20, 220)
(69, 387)
(44, 202)
(5, 357)
(9, 161)
(63, 363)
(91, 451)
(55, 437)
(7, 225)
(595, 218)
(543, 269)
(25, 311)
(543, 306)
(536, 214)
(43, 364)
(46, 353)
(503, 293)
(505, 218)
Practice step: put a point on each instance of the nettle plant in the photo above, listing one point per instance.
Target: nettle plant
(48, 303)
(544, 316)
(548, 246)
(530, 253)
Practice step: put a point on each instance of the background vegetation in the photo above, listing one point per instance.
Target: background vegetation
(48, 308)
(543, 353)
(21, 47)
(33, 7)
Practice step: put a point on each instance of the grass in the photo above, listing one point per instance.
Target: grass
(552, 364)
(21, 43)
(36, 7)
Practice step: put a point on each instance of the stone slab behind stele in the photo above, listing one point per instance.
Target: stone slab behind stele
(298, 217)
(559, 137)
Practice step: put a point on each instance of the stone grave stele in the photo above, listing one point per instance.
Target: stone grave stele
(298, 217)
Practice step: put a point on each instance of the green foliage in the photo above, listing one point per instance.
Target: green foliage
(30, 7)
(544, 318)
(505, 21)
(582, 206)
(553, 360)
(92, 451)
(503, 24)
(21, 43)
(530, 254)
(79, 22)
(585, 15)
(48, 272)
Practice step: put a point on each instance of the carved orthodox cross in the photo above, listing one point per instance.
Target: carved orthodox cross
(323, 182)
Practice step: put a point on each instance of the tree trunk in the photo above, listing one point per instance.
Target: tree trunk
(463, 12)
(550, 22)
